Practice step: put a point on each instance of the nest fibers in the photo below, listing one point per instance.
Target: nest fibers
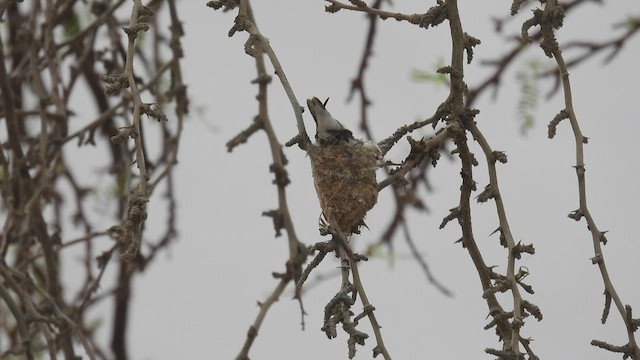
(345, 180)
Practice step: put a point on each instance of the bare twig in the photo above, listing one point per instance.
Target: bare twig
(19, 316)
(352, 265)
(32, 161)
(264, 309)
(258, 43)
(362, 7)
(509, 333)
(357, 84)
(412, 161)
(134, 28)
(425, 267)
(548, 20)
(282, 216)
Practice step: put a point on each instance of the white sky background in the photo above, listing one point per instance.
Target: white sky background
(198, 302)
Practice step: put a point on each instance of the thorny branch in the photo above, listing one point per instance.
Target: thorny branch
(258, 44)
(245, 20)
(349, 262)
(549, 20)
(459, 118)
(131, 230)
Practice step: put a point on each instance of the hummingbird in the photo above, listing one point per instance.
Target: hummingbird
(329, 131)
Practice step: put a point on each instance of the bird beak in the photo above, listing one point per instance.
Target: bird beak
(315, 107)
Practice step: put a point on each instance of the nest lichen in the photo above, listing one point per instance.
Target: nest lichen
(345, 181)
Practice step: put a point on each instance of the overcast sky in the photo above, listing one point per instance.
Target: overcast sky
(198, 302)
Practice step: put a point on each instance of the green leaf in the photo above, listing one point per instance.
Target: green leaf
(433, 77)
(527, 78)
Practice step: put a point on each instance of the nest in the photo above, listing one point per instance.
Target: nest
(345, 180)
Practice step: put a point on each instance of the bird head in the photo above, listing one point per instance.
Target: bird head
(329, 131)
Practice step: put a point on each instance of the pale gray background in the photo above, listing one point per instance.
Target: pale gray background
(198, 302)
